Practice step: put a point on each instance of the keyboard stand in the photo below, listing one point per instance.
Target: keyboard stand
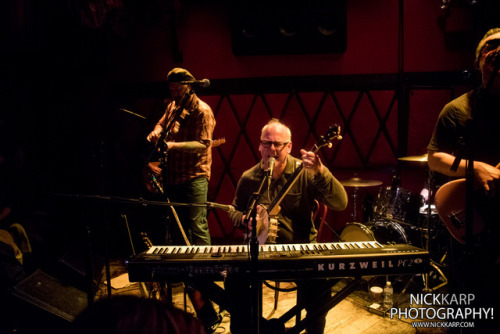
(354, 285)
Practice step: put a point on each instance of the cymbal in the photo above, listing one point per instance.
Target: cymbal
(358, 182)
(418, 159)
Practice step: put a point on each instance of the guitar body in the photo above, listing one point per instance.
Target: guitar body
(450, 205)
(153, 181)
(151, 173)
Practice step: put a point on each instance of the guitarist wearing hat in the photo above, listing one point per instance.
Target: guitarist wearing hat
(185, 133)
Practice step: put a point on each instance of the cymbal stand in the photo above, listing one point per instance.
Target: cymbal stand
(354, 204)
(427, 237)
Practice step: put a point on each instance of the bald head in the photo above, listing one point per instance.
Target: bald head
(274, 125)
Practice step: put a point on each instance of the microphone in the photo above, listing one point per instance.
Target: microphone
(228, 208)
(200, 83)
(270, 168)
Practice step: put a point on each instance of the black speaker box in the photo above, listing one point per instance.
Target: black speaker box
(279, 27)
(73, 269)
(42, 303)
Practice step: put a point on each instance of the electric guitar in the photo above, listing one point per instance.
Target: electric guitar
(154, 181)
(450, 205)
(270, 233)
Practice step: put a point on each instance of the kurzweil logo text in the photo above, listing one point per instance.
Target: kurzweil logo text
(365, 265)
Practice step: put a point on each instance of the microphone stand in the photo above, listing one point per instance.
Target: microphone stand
(161, 146)
(256, 291)
(469, 173)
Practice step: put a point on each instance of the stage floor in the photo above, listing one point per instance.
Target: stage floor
(350, 316)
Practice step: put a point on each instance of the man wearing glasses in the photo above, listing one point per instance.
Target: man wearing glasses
(295, 223)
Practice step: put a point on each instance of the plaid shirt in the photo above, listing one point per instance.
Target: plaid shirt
(198, 126)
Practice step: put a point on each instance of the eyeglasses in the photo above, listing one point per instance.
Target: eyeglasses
(277, 145)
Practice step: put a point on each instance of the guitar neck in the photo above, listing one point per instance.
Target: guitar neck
(284, 190)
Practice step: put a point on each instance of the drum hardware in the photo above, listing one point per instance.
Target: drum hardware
(385, 232)
(354, 204)
(442, 276)
(396, 203)
(357, 183)
(430, 213)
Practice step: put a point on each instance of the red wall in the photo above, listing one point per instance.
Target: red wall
(62, 68)
(433, 40)
(204, 34)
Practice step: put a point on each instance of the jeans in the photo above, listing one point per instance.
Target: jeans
(193, 219)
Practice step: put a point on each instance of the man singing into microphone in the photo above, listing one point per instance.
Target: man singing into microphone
(188, 167)
(189, 158)
(294, 220)
(481, 106)
(468, 128)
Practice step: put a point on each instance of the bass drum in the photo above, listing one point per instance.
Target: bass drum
(383, 231)
(356, 232)
(388, 232)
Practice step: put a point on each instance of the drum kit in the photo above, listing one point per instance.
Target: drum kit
(400, 217)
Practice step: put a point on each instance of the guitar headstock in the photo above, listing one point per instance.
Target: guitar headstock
(146, 240)
(332, 133)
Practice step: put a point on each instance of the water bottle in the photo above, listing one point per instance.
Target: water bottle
(388, 294)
